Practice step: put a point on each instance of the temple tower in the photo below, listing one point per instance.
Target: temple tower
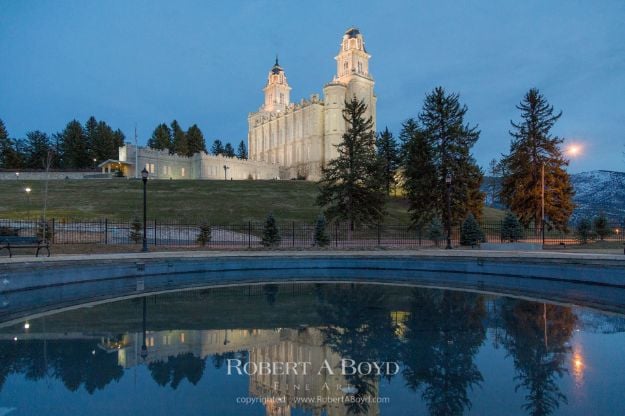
(277, 90)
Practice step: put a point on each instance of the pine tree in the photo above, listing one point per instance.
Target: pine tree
(471, 234)
(179, 140)
(161, 138)
(584, 230)
(91, 133)
(494, 170)
(74, 146)
(9, 157)
(419, 174)
(435, 231)
(242, 150)
(271, 233)
(532, 148)
(442, 149)
(37, 148)
(205, 235)
(511, 228)
(351, 187)
(195, 140)
(321, 237)
(136, 230)
(228, 150)
(388, 156)
(217, 148)
(601, 226)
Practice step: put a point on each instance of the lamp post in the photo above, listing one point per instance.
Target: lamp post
(17, 175)
(144, 177)
(94, 160)
(448, 182)
(226, 172)
(27, 190)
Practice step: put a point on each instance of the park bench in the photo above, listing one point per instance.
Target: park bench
(12, 242)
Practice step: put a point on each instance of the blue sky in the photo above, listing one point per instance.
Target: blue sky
(204, 62)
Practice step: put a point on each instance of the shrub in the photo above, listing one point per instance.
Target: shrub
(321, 237)
(44, 230)
(584, 230)
(435, 231)
(205, 235)
(600, 226)
(136, 231)
(471, 234)
(271, 233)
(511, 229)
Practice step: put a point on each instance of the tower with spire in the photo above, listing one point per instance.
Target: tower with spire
(277, 90)
(302, 137)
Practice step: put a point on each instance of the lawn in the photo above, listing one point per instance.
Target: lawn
(220, 202)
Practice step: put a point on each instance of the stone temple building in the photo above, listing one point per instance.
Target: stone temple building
(286, 140)
(300, 137)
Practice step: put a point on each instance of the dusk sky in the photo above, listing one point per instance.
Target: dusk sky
(147, 62)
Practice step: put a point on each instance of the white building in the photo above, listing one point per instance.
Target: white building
(301, 137)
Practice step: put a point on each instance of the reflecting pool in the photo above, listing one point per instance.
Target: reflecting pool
(315, 349)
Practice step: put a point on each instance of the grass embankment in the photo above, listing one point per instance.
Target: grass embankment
(220, 202)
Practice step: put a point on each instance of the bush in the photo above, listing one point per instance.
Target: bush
(600, 226)
(511, 229)
(271, 233)
(321, 237)
(584, 230)
(471, 234)
(136, 231)
(435, 231)
(205, 235)
(44, 230)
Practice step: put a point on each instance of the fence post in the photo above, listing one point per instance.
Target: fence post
(543, 232)
(249, 234)
(155, 231)
(379, 231)
(336, 234)
(53, 231)
(106, 231)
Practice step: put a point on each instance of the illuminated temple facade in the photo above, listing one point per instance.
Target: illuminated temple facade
(301, 137)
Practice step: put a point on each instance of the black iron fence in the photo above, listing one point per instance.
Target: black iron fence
(292, 234)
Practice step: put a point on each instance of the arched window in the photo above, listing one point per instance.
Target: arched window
(345, 67)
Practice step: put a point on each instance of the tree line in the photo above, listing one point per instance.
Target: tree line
(187, 143)
(80, 146)
(433, 166)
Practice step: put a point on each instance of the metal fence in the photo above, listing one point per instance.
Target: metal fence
(293, 234)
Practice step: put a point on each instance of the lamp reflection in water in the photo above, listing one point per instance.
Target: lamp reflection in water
(144, 348)
(577, 365)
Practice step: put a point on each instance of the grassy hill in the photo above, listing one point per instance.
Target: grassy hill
(221, 202)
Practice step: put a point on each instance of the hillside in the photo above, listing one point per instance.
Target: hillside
(221, 202)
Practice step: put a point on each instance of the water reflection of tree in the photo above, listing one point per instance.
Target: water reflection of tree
(75, 362)
(442, 334)
(220, 359)
(176, 368)
(537, 338)
(358, 327)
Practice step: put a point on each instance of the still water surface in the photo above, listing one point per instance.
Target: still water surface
(455, 353)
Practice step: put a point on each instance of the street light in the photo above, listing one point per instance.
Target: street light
(448, 182)
(144, 177)
(226, 172)
(17, 175)
(27, 190)
(94, 160)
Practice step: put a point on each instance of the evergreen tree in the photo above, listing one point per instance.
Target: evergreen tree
(601, 226)
(242, 150)
(104, 143)
(471, 234)
(9, 156)
(420, 175)
(351, 187)
(228, 150)
(179, 140)
(37, 148)
(494, 170)
(435, 231)
(217, 148)
(445, 150)
(511, 228)
(388, 156)
(74, 146)
(195, 140)
(161, 138)
(584, 230)
(321, 236)
(532, 148)
(136, 230)
(271, 233)
(205, 235)
(91, 133)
